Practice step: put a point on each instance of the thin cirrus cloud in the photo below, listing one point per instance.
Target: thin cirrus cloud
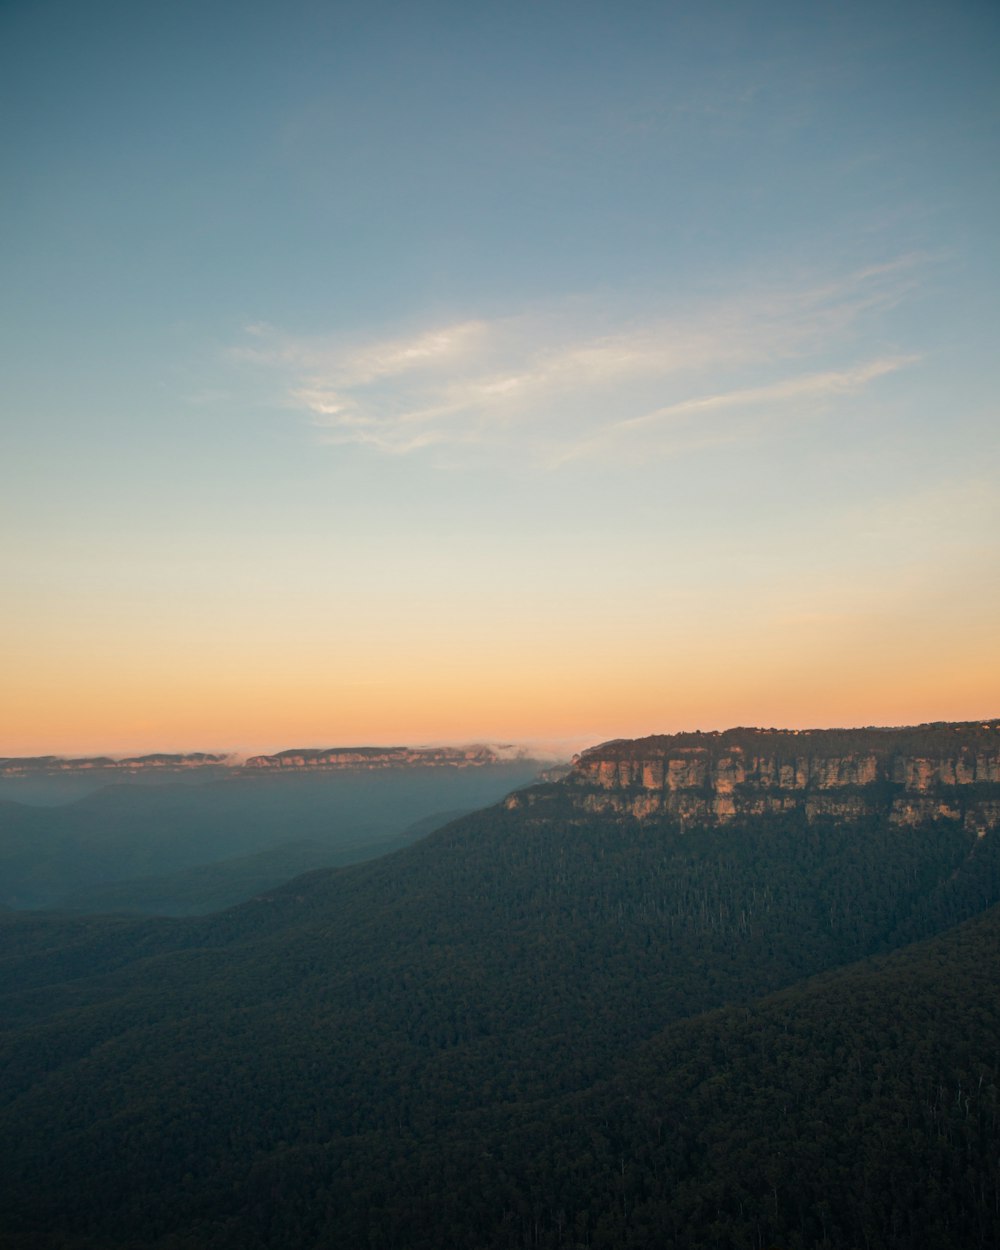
(555, 386)
(811, 386)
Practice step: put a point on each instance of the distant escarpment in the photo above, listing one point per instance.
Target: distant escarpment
(26, 765)
(325, 759)
(382, 757)
(941, 771)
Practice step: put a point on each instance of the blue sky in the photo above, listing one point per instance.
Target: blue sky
(383, 371)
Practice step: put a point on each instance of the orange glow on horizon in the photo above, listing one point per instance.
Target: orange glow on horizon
(264, 714)
(617, 668)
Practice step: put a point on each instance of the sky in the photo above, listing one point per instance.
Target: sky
(554, 372)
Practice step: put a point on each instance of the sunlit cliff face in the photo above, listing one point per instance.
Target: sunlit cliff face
(955, 776)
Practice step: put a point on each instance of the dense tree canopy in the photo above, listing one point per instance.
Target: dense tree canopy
(523, 1032)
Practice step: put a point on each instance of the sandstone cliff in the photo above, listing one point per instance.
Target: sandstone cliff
(927, 772)
(377, 757)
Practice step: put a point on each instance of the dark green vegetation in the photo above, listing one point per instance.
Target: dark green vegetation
(211, 887)
(522, 1032)
(147, 847)
(934, 739)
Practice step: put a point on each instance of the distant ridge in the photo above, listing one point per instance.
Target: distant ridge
(384, 757)
(12, 766)
(318, 758)
(931, 739)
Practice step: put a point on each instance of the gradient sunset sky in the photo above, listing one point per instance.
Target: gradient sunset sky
(449, 372)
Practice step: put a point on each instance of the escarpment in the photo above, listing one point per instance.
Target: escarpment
(309, 758)
(337, 758)
(160, 762)
(942, 771)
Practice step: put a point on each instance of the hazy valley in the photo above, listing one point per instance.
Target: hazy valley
(182, 834)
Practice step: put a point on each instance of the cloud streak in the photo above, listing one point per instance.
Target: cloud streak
(812, 386)
(556, 386)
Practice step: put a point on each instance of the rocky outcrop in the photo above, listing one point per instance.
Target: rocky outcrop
(927, 772)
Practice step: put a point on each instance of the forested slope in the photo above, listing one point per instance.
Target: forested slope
(858, 1109)
(360, 1047)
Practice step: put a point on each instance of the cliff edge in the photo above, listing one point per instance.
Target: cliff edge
(940, 771)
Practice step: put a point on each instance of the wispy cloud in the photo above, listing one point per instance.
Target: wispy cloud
(787, 390)
(556, 385)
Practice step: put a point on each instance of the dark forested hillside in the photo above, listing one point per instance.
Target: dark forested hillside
(860, 1109)
(354, 1050)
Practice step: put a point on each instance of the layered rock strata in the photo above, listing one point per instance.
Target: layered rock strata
(928, 772)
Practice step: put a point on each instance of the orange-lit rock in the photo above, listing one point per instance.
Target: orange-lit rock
(909, 775)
